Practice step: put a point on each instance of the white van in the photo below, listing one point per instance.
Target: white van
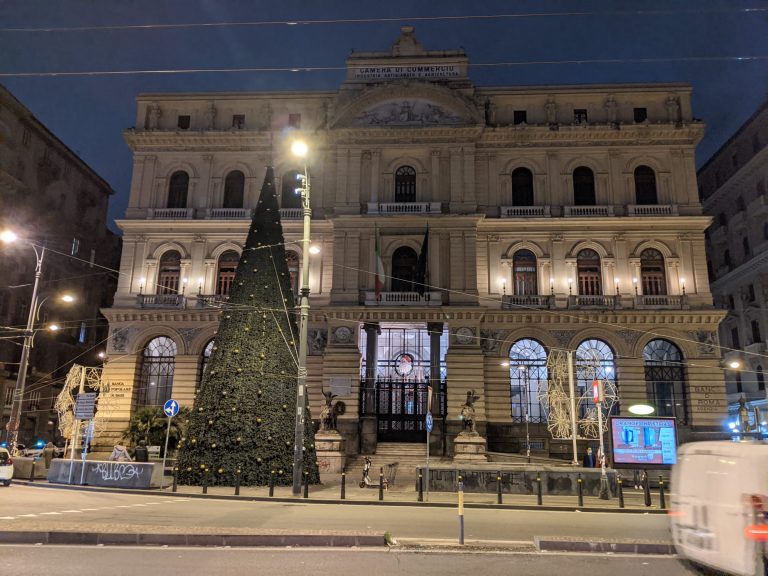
(718, 492)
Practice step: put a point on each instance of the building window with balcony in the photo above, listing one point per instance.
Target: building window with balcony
(519, 117)
(652, 272)
(528, 374)
(238, 121)
(727, 259)
(234, 186)
(289, 198)
(665, 379)
(645, 185)
(579, 115)
(760, 378)
(735, 340)
(156, 373)
(169, 273)
(756, 336)
(225, 272)
(405, 184)
(583, 187)
(751, 292)
(292, 259)
(404, 269)
(589, 273)
(745, 246)
(522, 187)
(524, 275)
(595, 360)
(177, 190)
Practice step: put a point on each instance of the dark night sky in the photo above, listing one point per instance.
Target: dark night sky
(89, 113)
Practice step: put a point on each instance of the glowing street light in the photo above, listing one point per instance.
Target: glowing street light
(641, 409)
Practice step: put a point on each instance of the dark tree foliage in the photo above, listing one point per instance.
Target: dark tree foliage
(244, 413)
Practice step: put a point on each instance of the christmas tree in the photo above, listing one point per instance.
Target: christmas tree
(243, 420)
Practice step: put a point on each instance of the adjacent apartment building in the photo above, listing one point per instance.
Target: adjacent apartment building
(732, 186)
(49, 196)
(557, 218)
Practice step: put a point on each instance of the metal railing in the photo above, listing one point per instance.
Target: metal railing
(161, 301)
(432, 298)
(525, 211)
(513, 301)
(403, 208)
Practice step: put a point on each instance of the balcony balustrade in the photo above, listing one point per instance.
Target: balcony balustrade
(170, 213)
(589, 301)
(432, 298)
(661, 301)
(397, 208)
(514, 302)
(228, 214)
(291, 213)
(211, 300)
(161, 301)
(581, 211)
(525, 212)
(652, 210)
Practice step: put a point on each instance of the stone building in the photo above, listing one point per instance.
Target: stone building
(50, 196)
(732, 186)
(557, 217)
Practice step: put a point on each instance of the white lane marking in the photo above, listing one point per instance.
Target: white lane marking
(27, 515)
(7, 517)
(71, 511)
(50, 513)
(134, 505)
(90, 509)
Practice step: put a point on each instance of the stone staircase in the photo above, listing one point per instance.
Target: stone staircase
(407, 456)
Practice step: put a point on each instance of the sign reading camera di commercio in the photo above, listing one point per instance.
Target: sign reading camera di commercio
(407, 71)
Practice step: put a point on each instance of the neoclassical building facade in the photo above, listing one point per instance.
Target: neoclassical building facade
(557, 218)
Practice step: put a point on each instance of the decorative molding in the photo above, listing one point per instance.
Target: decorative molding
(119, 338)
(189, 334)
(706, 340)
(630, 336)
(490, 340)
(318, 339)
(563, 337)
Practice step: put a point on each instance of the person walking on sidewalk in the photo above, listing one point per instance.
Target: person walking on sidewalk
(589, 459)
(48, 452)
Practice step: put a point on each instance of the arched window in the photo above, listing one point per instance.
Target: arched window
(289, 198)
(404, 269)
(522, 187)
(584, 187)
(645, 185)
(528, 374)
(169, 273)
(760, 378)
(177, 190)
(524, 273)
(234, 187)
(405, 184)
(156, 373)
(652, 272)
(665, 379)
(292, 259)
(589, 272)
(225, 272)
(595, 360)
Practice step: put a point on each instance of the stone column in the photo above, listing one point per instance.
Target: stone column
(368, 416)
(435, 330)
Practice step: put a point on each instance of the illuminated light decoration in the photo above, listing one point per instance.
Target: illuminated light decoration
(641, 409)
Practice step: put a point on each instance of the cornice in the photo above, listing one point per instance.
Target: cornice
(160, 315)
(739, 274)
(173, 140)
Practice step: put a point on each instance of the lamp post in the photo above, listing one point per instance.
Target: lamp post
(524, 370)
(299, 149)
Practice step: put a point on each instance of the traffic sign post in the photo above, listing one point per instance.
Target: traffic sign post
(429, 423)
(170, 409)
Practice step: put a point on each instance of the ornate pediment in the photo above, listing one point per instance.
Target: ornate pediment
(407, 104)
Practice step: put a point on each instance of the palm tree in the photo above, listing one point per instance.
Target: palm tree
(150, 424)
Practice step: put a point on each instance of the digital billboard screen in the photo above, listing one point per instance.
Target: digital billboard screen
(641, 442)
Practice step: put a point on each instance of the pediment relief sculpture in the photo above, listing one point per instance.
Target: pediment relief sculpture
(413, 112)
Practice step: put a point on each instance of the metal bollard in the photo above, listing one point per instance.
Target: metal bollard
(646, 488)
(421, 486)
(662, 499)
(581, 490)
(205, 481)
(620, 483)
(498, 488)
(461, 512)
(343, 485)
(237, 482)
(381, 483)
(32, 471)
(175, 486)
(539, 499)
(271, 483)
(306, 484)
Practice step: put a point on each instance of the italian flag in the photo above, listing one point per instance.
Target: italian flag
(379, 286)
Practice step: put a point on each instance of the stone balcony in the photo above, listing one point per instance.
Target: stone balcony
(589, 301)
(514, 302)
(227, 214)
(170, 213)
(161, 301)
(652, 210)
(525, 212)
(431, 298)
(660, 302)
(587, 211)
(400, 208)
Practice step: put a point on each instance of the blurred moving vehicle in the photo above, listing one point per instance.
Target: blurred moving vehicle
(718, 516)
(6, 467)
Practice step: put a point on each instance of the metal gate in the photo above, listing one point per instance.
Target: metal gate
(400, 407)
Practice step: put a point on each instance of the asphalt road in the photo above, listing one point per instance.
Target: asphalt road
(38, 508)
(83, 561)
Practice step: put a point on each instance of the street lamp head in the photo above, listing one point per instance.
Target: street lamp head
(68, 298)
(53, 327)
(314, 249)
(299, 148)
(102, 355)
(735, 364)
(8, 236)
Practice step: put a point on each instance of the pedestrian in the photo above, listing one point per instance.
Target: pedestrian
(589, 459)
(141, 454)
(48, 452)
(119, 454)
(636, 478)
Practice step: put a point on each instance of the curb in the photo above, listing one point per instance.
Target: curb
(545, 544)
(239, 540)
(310, 500)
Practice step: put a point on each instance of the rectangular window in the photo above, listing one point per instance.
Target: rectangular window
(26, 137)
(9, 395)
(238, 121)
(34, 400)
(520, 117)
(735, 342)
(183, 122)
(294, 120)
(579, 115)
(75, 246)
(82, 334)
(641, 114)
(756, 142)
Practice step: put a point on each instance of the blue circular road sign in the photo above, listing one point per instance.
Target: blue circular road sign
(171, 408)
(429, 422)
